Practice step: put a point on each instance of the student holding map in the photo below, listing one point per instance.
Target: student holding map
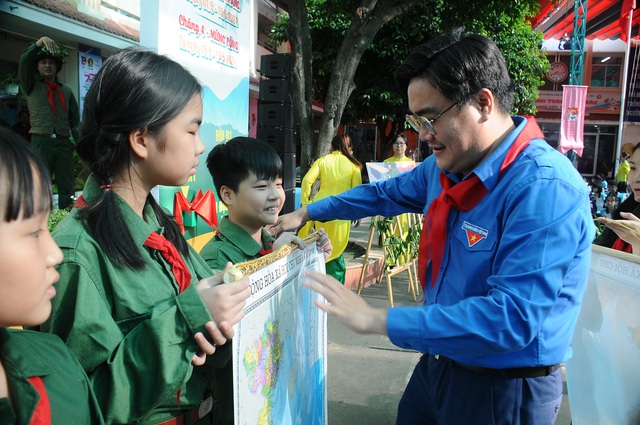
(135, 301)
(247, 174)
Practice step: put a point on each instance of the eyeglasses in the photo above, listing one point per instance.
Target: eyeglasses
(399, 143)
(417, 122)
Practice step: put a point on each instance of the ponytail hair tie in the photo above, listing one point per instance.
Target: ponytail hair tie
(106, 187)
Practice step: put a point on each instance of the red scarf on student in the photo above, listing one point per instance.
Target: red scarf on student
(168, 251)
(264, 252)
(42, 413)
(620, 245)
(464, 196)
(51, 85)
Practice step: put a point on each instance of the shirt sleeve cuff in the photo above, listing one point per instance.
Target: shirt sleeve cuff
(402, 329)
(193, 309)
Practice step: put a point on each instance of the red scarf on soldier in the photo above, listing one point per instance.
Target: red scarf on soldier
(51, 85)
(464, 196)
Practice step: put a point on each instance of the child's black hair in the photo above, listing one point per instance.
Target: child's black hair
(25, 181)
(232, 162)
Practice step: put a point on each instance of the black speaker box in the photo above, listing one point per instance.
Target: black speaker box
(275, 91)
(289, 201)
(276, 66)
(276, 115)
(283, 140)
(288, 169)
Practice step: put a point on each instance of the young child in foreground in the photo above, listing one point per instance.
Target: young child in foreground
(40, 379)
(247, 174)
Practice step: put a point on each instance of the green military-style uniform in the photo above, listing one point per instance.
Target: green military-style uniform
(234, 244)
(132, 331)
(26, 354)
(50, 130)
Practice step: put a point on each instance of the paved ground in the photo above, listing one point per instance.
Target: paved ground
(367, 374)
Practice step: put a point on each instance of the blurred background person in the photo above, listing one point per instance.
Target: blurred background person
(23, 125)
(399, 149)
(338, 171)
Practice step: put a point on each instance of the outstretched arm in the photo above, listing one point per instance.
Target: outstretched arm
(346, 306)
(289, 222)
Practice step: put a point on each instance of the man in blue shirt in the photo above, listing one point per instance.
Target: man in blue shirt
(504, 254)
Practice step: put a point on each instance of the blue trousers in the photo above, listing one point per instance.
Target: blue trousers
(441, 393)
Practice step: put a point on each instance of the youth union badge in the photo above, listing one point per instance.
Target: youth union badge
(474, 233)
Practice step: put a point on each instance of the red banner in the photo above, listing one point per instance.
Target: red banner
(625, 18)
(574, 100)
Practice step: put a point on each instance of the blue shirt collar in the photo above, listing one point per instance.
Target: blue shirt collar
(488, 171)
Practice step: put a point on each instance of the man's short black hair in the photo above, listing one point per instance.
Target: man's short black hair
(459, 65)
(232, 162)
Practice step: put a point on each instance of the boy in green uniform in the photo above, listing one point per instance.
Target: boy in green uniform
(40, 379)
(54, 112)
(247, 174)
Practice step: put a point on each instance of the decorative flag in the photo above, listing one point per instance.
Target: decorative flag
(625, 18)
(574, 102)
(203, 205)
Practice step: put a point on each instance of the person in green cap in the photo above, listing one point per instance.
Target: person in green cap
(54, 112)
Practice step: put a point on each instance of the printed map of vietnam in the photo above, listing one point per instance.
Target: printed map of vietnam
(261, 363)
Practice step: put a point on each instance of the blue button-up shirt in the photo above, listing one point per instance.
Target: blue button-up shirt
(514, 269)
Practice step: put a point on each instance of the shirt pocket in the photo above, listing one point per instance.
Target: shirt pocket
(472, 258)
(127, 325)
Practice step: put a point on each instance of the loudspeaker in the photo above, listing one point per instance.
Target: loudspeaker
(276, 66)
(280, 138)
(276, 115)
(288, 169)
(289, 201)
(275, 91)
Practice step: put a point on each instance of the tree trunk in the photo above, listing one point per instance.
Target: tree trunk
(300, 38)
(367, 21)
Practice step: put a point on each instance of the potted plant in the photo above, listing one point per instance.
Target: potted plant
(11, 83)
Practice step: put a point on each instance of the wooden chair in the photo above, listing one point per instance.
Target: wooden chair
(390, 270)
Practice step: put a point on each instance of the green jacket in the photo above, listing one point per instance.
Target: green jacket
(26, 354)
(43, 119)
(233, 244)
(131, 329)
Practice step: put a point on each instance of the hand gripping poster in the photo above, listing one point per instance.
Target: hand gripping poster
(280, 346)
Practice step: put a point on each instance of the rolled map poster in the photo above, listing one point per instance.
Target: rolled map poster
(238, 271)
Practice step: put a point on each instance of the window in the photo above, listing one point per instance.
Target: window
(606, 71)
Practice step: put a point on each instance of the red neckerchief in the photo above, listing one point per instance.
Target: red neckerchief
(172, 256)
(50, 86)
(463, 196)
(42, 413)
(620, 245)
(263, 251)
(167, 250)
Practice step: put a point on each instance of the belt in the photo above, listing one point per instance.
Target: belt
(516, 372)
(51, 135)
(193, 415)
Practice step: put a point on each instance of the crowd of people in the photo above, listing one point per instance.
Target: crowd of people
(136, 329)
(606, 195)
